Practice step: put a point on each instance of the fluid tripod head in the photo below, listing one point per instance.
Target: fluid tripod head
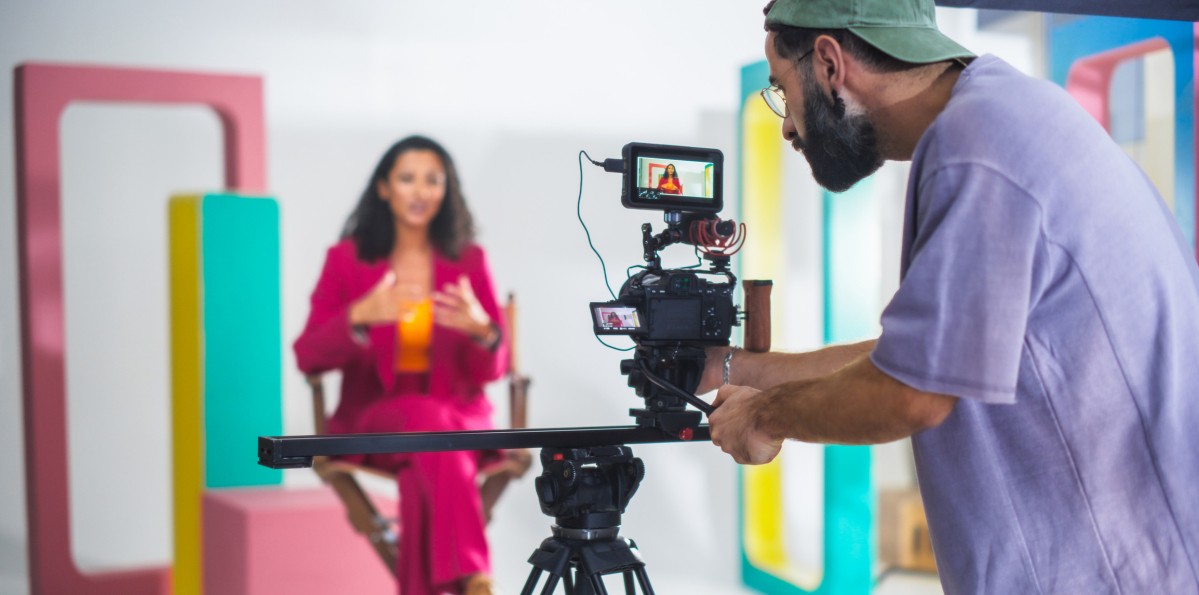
(588, 488)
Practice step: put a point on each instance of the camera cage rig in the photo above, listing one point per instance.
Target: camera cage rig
(664, 371)
(589, 473)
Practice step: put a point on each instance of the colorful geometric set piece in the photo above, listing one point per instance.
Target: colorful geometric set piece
(261, 542)
(225, 358)
(1085, 53)
(43, 92)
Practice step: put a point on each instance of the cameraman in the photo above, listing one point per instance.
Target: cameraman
(1040, 349)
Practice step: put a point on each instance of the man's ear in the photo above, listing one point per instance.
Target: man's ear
(828, 63)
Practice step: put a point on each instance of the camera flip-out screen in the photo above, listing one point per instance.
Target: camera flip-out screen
(614, 318)
(673, 178)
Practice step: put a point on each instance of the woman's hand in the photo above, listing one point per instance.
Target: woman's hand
(380, 305)
(457, 307)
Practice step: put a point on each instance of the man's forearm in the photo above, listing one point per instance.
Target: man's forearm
(859, 404)
(766, 370)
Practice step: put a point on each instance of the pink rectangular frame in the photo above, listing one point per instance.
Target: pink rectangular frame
(43, 92)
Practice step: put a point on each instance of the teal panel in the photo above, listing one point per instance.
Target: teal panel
(851, 309)
(849, 536)
(851, 301)
(242, 330)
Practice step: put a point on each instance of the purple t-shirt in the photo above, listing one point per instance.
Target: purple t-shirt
(1046, 284)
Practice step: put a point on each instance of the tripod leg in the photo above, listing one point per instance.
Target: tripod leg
(628, 583)
(597, 584)
(550, 582)
(643, 579)
(531, 583)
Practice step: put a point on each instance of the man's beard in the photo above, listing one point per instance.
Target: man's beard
(841, 148)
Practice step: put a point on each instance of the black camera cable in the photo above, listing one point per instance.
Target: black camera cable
(606, 164)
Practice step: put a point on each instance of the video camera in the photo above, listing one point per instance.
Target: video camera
(673, 314)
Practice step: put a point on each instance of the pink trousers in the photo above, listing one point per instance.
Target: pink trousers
(442, 538)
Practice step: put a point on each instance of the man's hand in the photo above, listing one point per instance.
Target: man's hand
(735, 427)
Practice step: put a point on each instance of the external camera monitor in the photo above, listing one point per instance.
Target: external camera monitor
(615, 318)
(673, 178)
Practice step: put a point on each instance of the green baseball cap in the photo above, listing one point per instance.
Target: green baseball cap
(903, 29)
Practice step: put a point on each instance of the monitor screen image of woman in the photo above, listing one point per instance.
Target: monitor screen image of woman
(668, 182)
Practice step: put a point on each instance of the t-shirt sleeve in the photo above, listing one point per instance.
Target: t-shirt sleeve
(956, 325)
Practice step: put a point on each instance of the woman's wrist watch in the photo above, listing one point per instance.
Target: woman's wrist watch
(492, 339)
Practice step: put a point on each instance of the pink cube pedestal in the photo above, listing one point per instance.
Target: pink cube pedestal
(271, 541)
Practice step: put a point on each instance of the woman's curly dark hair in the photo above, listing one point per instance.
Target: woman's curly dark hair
(372, 224)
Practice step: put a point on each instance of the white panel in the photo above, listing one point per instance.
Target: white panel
(120, 165)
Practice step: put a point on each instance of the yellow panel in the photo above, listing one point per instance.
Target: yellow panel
(762, 258)
(186, 389)
(761, 192)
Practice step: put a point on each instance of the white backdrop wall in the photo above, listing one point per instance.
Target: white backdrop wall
(514, 89)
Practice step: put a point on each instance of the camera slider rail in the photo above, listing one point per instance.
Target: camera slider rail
(294, 452)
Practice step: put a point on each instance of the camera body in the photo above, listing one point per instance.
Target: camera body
(673, 314)
(663, 307)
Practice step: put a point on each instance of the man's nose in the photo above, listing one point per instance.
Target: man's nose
(789, 131)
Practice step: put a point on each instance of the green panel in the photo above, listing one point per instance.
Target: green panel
(242, 330)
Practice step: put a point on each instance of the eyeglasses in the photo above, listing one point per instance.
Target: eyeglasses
(773, 95)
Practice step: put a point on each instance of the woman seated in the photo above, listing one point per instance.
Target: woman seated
(405, 309)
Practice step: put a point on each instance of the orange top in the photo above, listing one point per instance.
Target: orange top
(414, 335)
(670, 185)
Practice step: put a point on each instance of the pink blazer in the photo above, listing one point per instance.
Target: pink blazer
(459, 366)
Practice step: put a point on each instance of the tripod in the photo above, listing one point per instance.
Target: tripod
(586, 490)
